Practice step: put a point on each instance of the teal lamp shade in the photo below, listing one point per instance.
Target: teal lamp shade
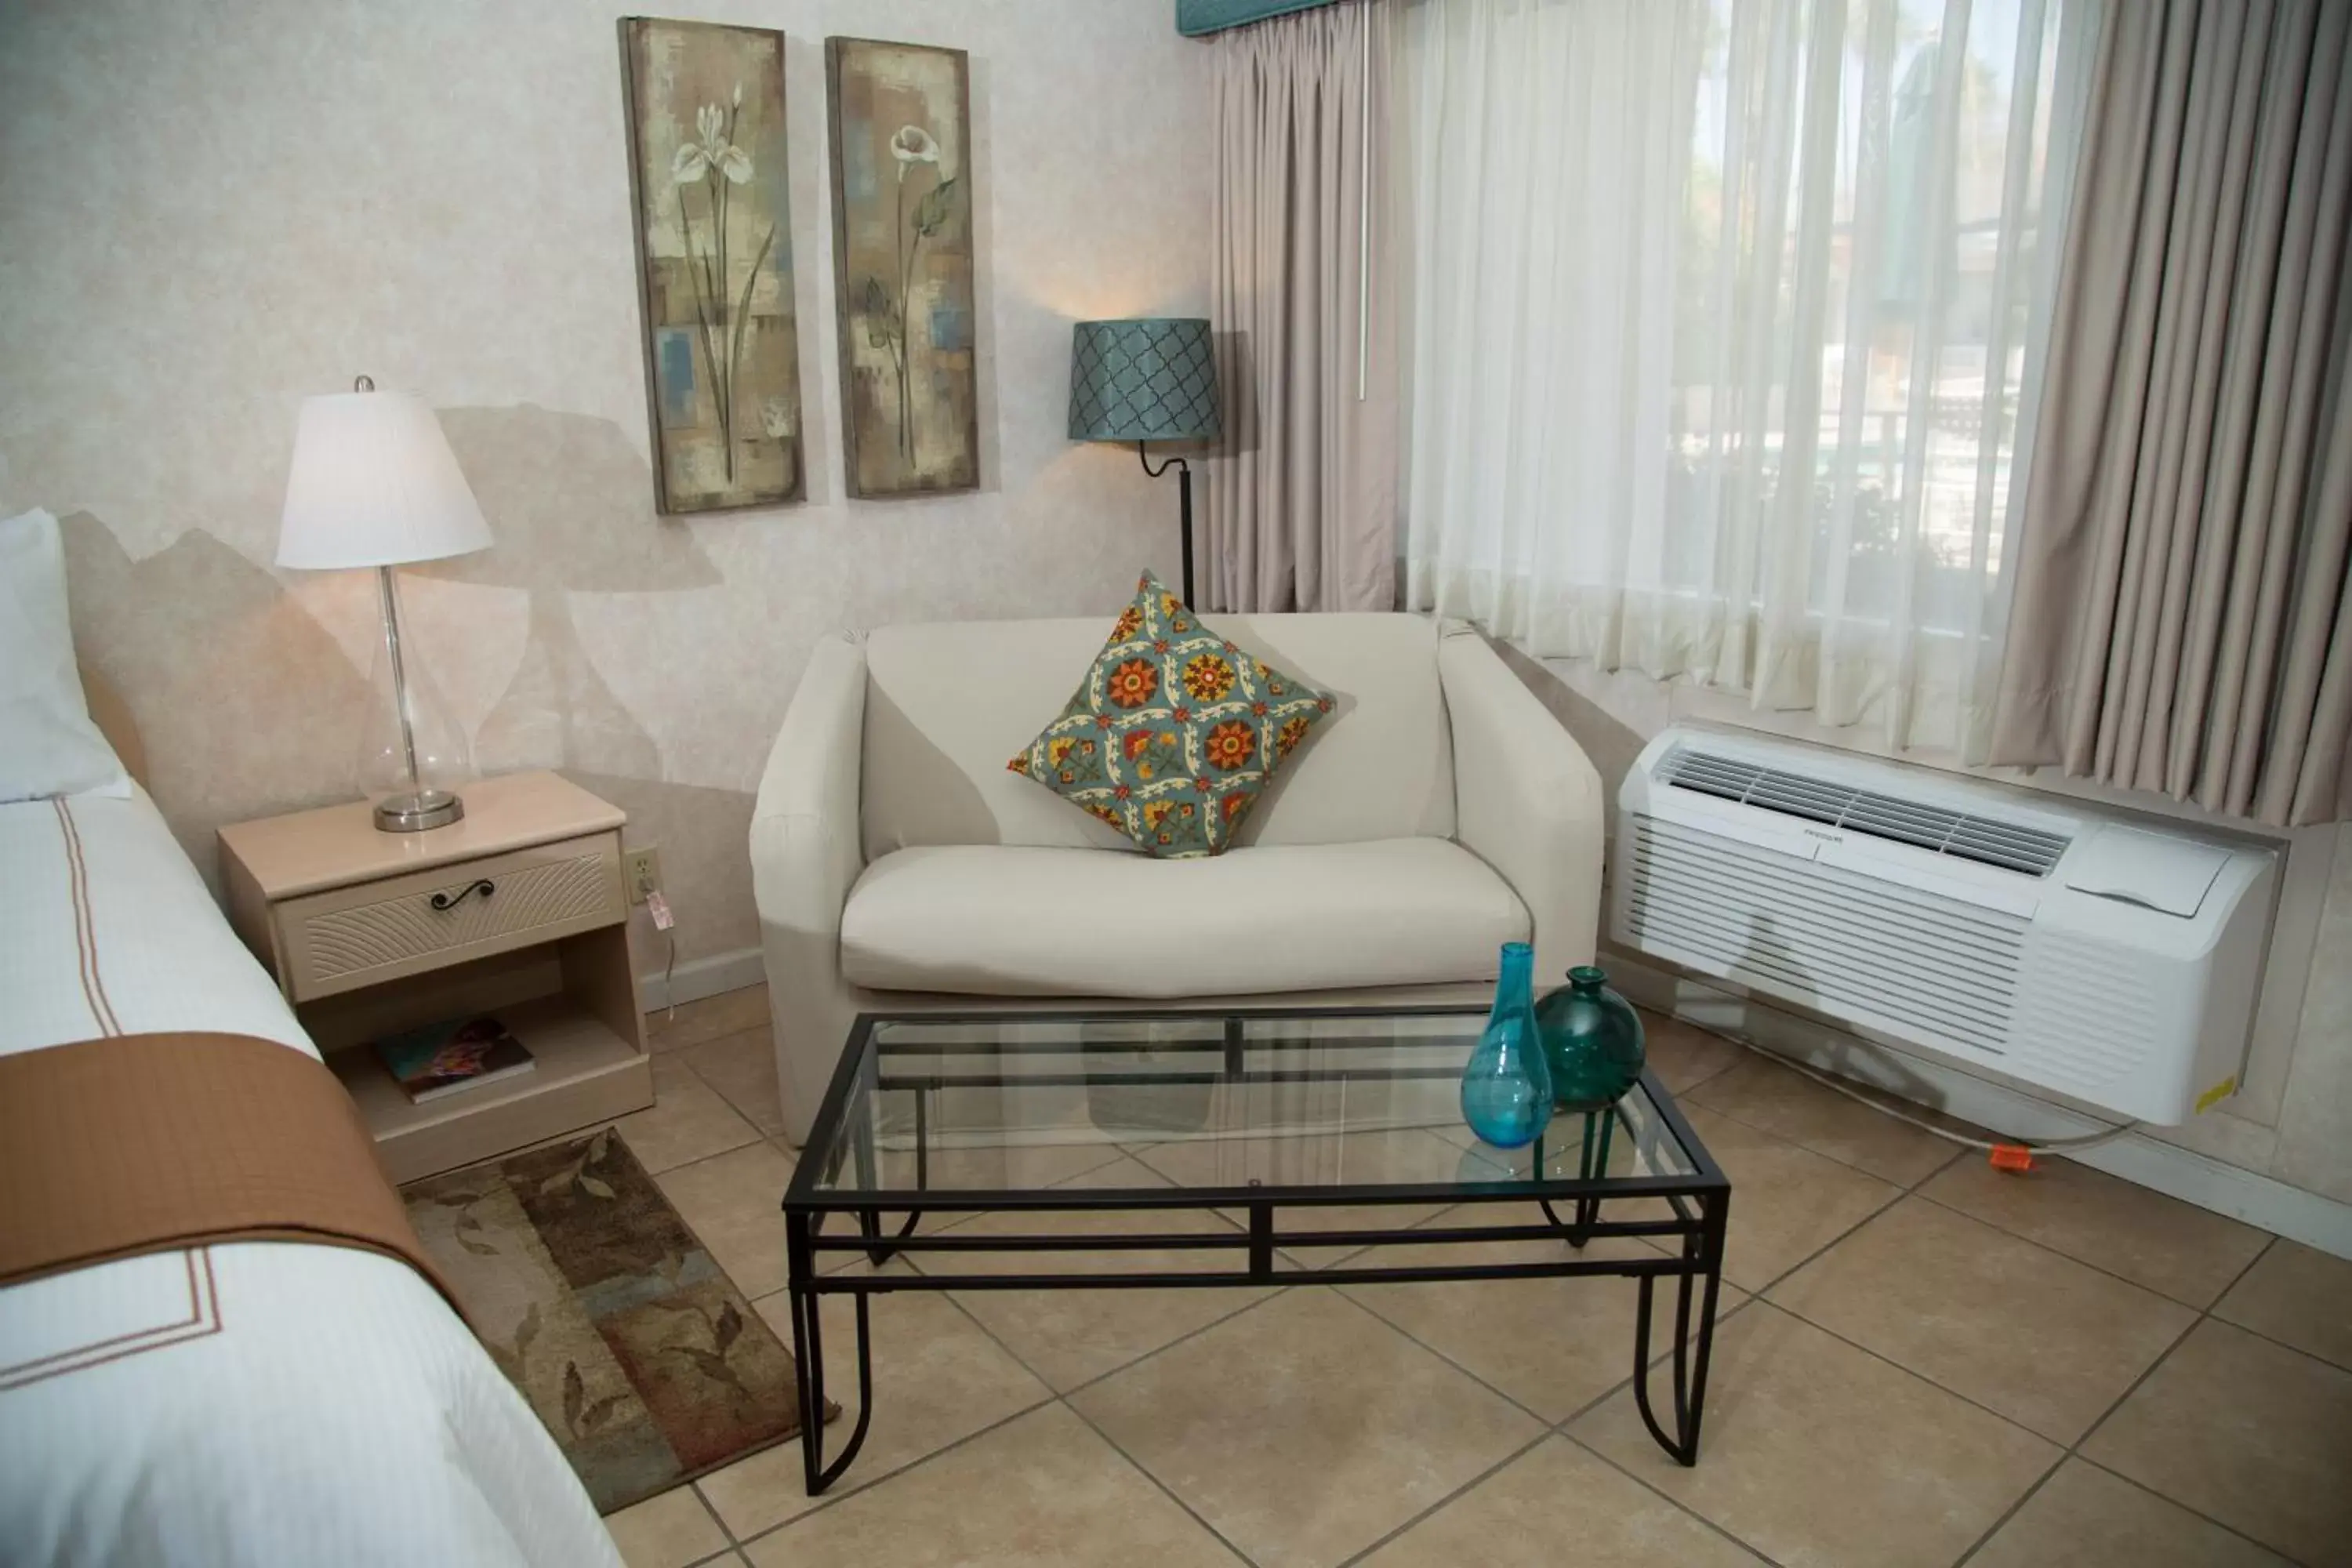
(1152, 379)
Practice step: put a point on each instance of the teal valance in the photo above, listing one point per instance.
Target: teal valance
(1195, 17)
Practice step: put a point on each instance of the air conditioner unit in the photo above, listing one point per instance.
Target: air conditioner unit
(2044, 940)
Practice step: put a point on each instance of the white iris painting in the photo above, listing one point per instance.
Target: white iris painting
(706, 109)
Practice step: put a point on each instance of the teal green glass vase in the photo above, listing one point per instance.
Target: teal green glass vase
(1507, 1091)
(1592, 1041)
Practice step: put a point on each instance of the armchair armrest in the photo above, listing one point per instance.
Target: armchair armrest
(1527, 799)
(805, 855)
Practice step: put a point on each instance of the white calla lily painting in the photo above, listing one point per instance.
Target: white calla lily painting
(902, 195)
(706, 114)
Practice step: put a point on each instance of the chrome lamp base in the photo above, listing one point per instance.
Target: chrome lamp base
(417, 810)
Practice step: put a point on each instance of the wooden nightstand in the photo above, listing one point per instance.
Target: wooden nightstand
(517, 909)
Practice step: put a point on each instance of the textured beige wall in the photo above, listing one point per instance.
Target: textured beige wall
(2315, 1129)
(207, 212)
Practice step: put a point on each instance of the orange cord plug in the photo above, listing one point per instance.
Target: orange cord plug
(2012, 1157)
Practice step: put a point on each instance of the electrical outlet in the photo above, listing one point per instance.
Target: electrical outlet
(641, 868)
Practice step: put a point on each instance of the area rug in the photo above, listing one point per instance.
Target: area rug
(601, 1305)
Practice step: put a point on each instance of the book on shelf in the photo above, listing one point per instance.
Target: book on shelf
(451, 1057)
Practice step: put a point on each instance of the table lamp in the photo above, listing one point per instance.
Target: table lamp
(1148, 379)
(374, 484)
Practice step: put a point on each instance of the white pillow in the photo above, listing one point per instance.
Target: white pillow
(48, 745)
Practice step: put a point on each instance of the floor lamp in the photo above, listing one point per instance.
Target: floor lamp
(1147, 379)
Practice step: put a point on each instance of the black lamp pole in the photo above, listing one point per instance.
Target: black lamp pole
(1144, 379)
(1184, 505)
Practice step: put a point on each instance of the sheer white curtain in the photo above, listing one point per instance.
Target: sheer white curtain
(1723, 316)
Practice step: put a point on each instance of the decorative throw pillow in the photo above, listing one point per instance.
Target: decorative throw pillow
(1174, 732)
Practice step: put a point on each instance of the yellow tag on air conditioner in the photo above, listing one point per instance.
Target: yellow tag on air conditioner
(2218, 1093)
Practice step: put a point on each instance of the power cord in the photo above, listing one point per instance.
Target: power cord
(668, 969)
(2044, 1146)
(657, 906)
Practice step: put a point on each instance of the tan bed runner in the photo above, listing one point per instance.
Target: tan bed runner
(138, 1143)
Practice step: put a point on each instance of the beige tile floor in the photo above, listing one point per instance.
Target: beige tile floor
(1921, 1361)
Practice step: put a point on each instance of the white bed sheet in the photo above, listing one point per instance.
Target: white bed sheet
(247, 1403)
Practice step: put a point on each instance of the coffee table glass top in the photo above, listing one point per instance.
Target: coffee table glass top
(1312, 1103)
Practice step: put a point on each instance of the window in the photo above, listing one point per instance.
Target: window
(1723, 317)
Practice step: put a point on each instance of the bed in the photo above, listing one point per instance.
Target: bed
(242, 1402)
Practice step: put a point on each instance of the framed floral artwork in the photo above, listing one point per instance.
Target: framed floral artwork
(902, 249)
(712, 215)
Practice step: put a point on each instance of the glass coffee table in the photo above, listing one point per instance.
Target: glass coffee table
(1250, 1148)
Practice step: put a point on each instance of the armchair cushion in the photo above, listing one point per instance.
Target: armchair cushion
(1174, 732)
(997, 920)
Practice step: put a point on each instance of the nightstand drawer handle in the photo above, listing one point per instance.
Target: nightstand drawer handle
(450, 902)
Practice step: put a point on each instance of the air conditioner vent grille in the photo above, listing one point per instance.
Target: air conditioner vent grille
(1985, 840)
(1850, 944)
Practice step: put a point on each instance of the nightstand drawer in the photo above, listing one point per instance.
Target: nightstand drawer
(349, 937)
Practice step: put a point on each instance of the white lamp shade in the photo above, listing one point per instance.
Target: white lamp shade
(374, 484)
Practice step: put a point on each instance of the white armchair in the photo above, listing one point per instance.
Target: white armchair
(898, 865)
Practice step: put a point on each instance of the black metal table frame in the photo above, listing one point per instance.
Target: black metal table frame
(1700, 1203)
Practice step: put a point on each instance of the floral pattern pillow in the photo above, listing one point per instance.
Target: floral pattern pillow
(1174, 732)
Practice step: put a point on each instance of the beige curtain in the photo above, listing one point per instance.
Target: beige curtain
(2180, 619)
(1301, 509)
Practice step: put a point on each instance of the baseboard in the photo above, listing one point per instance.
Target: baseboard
(2241, 1194)
(701, 977)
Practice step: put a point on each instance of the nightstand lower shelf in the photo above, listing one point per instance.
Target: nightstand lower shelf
(582, 1073)
(516, 911)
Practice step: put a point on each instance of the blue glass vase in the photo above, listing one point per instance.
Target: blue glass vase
(1506, 1088)
(1592, 1041)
